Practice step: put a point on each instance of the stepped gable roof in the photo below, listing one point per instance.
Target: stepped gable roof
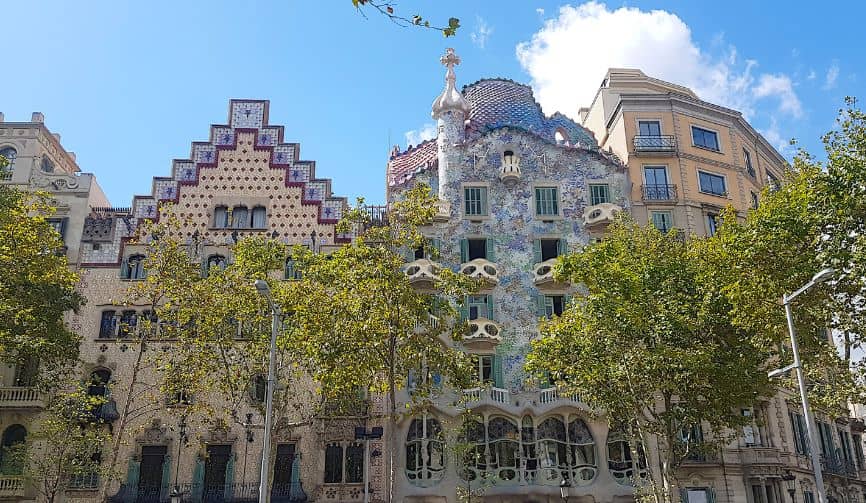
(496, 103)
(404, 165)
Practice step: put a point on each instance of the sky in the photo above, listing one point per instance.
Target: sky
(129, 85)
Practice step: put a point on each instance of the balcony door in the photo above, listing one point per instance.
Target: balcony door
(656, 183)
(649, 128)
(282, 488)
(150, 473)
(215, 468)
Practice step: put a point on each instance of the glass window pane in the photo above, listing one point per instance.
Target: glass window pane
(599, 193)
(546, 201)
(333, 464)
(475, 199)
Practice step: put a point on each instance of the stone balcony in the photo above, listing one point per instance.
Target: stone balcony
(11, 486)
(422, 273)
(21, 397)
(482, 269)
(432, 322)
(483, 334)
(598, 216)
(510, 171)
(542, 272)
(542, 400)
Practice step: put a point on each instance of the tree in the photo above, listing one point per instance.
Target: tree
(650, 345)
(387, 9)
(36, 285)
(361, 325)
(65, 451)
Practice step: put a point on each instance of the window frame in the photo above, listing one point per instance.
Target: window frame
(483, 201)
(703, 129)
(724, 179)
(669, 213)
(747, 160)
(593, 200)
(556, 202)
(711, 220)
(641, 120)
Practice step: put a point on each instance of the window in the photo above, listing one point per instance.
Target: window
(13, 436)
(425, 452)
(546, 249)
(755, 200)
(662, 220)
(751, 434)
(801, 437)
(649, 128)
(546, 201)
(333, 464)
(215, 260)
(656, 184)
(98, 385)
(132, 267)
(858, 450)
(10, 154)
(259, 217)
(476, 201)
(484, 368)
(108, 325)
(808, 497)
(705, 138)
(478, 306)
(474, 248)
(47, 166)
(764, 493)
(291, 270)
(259, 388)
(620, 461)
(128, 322)
(599, 193)
(747, 158)
(180, 398)
(712, 224)
(697, 495)
(712, 184)
(355, 463)
(692, 438)
(240, 217)
(825, 435)
(59, 225)
(221, 217)
(550, 306)
(845, 446)
(772, 181)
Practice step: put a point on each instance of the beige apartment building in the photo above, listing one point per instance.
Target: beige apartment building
(687, 158)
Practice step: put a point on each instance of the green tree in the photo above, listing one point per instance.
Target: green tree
(36, 285)
(650, 344)
(65, 450)
(387, 9)
(361, 325)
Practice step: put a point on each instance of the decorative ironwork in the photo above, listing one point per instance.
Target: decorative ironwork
(196, 493)
(655, 143)
(659, 192)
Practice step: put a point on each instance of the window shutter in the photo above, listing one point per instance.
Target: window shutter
(497, 371)
(464, 309)
(132, 472)
(63, 222)
(711, 495)
(562, 247)
(489, 251)
(540, 308)
(484, 209)
(124, 268)
(536, 251)
(464, 251)
(490, 307)
(166, 473)
(230, 478)
(435, 248)
(198, 479)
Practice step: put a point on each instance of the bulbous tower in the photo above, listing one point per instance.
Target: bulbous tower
(450, 110)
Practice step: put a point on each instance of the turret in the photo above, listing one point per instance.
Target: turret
(450, 110)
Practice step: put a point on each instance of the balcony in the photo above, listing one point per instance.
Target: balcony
(475, 396)
(481, 268)
(655, 144)
(553, 395)
(443, 211)
(658, 192)
(510, 171)
(432, 322)
(542, 272)
(11, 486)
(836, 466)
(21, 397)
(422, 273)
(198, 493)
(483, 333)
(600, 215)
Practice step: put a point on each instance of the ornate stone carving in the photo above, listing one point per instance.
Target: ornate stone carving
(483, 333)
(481, 268)
(600, 214)
(155, 434)
(422, 272)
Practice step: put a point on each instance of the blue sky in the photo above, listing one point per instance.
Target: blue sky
(130, 85)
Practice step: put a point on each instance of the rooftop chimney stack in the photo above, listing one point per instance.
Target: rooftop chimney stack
(2, 117)
(37, 117)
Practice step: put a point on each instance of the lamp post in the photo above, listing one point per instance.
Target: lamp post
(564, 488)
(789, 480)
(176, 494)
(820, 277)
(263, 289)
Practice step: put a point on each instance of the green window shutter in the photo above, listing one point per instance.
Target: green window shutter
(132, 473)
(497, 371)
(711, 495)
(124, 269)
(198, 479)
(230, 478)
(490, 244)
(540, 307)
(484, 209)
(464, 251)
(435, 248)
(490, 307)
(536, 251)
(562, 247)
(166, 473)
(464, 309)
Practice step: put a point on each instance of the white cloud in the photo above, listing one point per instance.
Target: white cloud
(774, 137)
(425, 132)
(832, 76)
(657, 42)
(539, 11)
(811, 75)
(481, 33)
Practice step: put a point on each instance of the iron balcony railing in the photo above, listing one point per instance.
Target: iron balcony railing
(377, 216)
(653, 143)
(198, 493)
(837, 466)
(659, 192)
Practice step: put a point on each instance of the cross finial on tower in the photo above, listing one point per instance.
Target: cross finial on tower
(450, 97)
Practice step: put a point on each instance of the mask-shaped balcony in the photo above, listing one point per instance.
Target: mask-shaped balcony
(543, 272)
(422, 273)
(510, 171)
(483, 334)
(600, 215)
(481, 268)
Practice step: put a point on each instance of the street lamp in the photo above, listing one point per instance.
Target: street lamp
(264, 290)
(789, 479)
(176, 494)
(821, 277)
(564, 488)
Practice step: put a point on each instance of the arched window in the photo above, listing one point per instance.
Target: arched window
(503, 448)
(561, 137)
(474, 463)
(259, 217)
(240, 217)
(132, 267)
(11, 462)
(10, 154)
(291, 270)
(47, 165)
(221, 217)
(98, 385)
(582, 453)
(622, 465)
(425, 452)
(214, 260)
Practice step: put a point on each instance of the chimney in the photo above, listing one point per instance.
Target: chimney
(2, 117)
(37, 117)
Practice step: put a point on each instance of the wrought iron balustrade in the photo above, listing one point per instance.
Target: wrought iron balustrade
(659, 192)
(837, 466)
(198, 493)
(376, 216)
(655, 143)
